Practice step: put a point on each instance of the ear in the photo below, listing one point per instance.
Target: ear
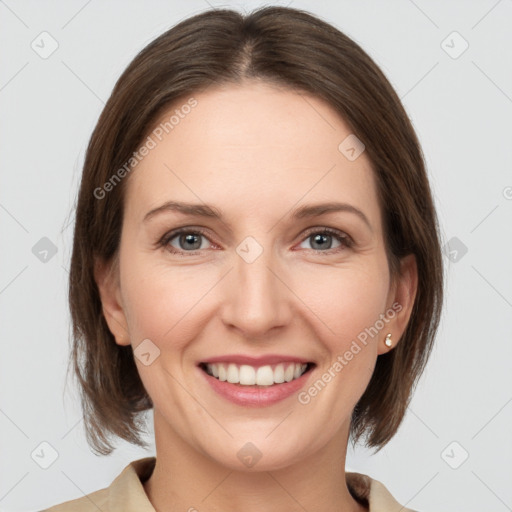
(401, 301)
(106, 276)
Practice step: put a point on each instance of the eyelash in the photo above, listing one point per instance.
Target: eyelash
(342, 237)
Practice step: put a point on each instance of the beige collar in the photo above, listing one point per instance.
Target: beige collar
(126, 493)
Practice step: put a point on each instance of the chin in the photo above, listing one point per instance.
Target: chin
(261, 452)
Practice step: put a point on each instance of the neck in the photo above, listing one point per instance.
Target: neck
(185, 479)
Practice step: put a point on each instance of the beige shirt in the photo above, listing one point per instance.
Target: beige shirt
(126, 493)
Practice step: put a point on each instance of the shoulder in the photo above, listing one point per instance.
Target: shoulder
(89, 503)
(373, 494)
(126, 493)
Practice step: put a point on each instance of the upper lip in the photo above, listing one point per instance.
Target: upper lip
(255, 361)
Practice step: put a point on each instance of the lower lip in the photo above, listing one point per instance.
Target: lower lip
(256, 396)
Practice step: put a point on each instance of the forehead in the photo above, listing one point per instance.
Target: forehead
(249, 145)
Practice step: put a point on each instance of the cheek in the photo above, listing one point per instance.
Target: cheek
(160, 300)
(346, 300)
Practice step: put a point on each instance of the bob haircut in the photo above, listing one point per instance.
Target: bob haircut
(300, 52)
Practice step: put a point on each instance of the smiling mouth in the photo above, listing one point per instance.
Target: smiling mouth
(261, 376)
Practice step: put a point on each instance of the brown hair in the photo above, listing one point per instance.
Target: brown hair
(299, 51)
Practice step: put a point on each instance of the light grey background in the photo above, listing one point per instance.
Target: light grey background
(461, 108)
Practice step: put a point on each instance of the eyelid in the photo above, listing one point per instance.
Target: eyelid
(169, 235)
(331, 231)
(346, 240)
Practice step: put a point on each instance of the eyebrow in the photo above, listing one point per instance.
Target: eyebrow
(306, 211)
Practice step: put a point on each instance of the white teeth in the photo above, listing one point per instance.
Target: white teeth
(279, 374)
(247, 375)
(232, 375)
(264, 376)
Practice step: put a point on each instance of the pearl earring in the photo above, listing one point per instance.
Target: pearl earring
(388, 342)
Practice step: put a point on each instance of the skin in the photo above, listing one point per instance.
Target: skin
(255, 152)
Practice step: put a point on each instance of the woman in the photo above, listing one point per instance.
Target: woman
(305, 308)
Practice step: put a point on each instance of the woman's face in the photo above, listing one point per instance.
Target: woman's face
(266, 284)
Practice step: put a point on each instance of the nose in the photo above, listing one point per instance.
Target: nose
(255, 296)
